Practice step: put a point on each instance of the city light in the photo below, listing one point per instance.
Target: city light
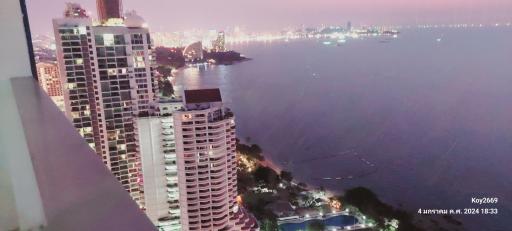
(157, 105)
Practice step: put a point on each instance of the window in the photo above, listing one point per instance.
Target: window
(108, 39)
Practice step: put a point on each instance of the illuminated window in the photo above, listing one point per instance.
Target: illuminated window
(82, 30)
(75, 115)
(108, 39)
(139, 61)
(121, 147)
(71, 86)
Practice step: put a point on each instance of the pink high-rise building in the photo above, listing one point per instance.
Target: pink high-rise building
(207, 166)
(49, 80)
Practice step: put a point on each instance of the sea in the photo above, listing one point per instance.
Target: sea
(424, 119)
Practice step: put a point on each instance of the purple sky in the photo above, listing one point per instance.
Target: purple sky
(259, 15)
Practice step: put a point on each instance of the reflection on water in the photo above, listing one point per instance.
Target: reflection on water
(425, 123)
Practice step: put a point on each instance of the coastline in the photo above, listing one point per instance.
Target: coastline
(270, 164)
(309, 186)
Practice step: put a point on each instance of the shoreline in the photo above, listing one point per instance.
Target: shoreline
(309, 186)
(270, 164)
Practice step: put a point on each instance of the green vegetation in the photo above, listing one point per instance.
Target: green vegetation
(259, 186)
(166, 88)
(164, 70)
(269, 225)
(169, 57)
(256, 203)
(368, 203)
(262, 186)
(286, 176)
(253, 150)
(267, 176)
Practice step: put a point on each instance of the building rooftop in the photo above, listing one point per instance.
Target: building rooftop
(202, 96)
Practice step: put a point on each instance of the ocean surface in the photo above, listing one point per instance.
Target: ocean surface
(424, 120)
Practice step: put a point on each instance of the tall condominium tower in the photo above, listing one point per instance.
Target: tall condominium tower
(108, 81)
(207, 167)
(219, 44)
(159, 164)
(75, 50)
(108, 9)
(49, 80)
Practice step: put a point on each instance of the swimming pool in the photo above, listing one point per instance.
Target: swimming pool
(337, 221)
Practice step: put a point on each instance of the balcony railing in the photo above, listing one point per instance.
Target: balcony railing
(64, 181)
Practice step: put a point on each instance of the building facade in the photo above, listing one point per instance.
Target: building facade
(219, 44)
(75, 46)
(207, 167)
(106, 71)
(159, 165)
(49, 80)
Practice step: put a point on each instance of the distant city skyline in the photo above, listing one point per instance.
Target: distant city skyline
(168, 15)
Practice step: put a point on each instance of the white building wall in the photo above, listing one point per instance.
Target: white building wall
(153, 168)
(158, 155)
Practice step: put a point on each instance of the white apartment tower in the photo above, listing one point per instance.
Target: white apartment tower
(108, 81)
(159, 164)
(207, 167)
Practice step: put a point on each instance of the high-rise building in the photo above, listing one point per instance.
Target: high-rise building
(108, 81)
(50, 179)
(74, 41)
(349, 26)
(74, 10)
(207, 167)
(219, 44)
(49, 80)
(108, 9)
(159, 165)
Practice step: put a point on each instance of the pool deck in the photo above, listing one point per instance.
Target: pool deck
(301, 219)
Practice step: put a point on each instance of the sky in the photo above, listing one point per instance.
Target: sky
(272, 15)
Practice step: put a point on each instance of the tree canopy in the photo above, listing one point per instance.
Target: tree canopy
(166, 88)
(253, 150)
(368, 203)
(266, 175)
(287, 176)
